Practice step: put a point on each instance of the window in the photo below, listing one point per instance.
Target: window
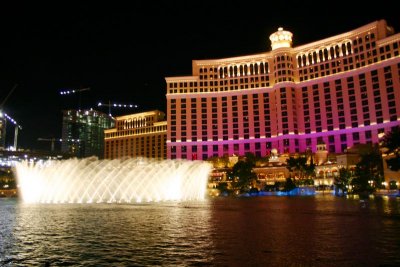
(356, 136)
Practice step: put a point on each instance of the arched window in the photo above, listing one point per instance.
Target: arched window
(245, 69)
(348, 48)
(251, 69)
(310, 59)
(344, 50)
(262, 68)
(315, 57)
(299, 61)
(236, 71)
(256, 68)
(321, 56)
(337, 50)
(230, 71)
(332, 52)
(241, 70)
(304, 60)
(326, 57)
(221, 73)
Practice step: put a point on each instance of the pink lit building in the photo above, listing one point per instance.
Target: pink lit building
(343, 90)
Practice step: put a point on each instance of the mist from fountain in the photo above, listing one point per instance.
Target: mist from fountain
(91, 180)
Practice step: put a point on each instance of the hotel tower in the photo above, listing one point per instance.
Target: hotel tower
(343, 90)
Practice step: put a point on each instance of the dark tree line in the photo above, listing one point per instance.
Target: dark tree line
(391, 142)
(368, 174)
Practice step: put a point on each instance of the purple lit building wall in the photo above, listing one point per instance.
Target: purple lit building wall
(343, 90)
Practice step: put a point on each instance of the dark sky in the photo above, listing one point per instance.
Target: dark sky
(123, 51)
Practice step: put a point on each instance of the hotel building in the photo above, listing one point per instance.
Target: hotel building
(343, 90)
(137, 135)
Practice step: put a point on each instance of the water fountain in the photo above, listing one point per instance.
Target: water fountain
(91, 180)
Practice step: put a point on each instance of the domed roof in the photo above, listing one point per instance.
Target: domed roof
(280, 39)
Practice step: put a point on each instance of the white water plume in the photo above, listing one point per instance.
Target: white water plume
(91, 180)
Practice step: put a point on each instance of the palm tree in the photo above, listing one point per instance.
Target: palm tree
(368, 169)
(343, 180)
(300, 167)
(243, 172)
(391, 141)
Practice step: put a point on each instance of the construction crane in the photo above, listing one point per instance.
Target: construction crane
(53, 140)
(8, 95)
(74, 91)
(114, 105)
(7, 117)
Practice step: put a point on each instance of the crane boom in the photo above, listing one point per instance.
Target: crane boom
(73, 91)
(8, 95)
(109, 105)
(53, 140)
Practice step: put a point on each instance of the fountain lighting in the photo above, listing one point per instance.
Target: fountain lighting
(91, 180)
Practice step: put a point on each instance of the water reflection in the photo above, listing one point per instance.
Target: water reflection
(308, 231)
(260, 231)
(96, 235)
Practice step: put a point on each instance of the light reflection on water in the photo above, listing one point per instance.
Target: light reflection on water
(258, 231)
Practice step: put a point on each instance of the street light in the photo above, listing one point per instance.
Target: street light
(384, 184)
(371, 183)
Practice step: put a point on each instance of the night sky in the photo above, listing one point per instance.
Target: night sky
(123, 51)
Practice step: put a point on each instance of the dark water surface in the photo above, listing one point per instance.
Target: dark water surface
(321, 230)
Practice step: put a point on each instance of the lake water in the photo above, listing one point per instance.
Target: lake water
(321, 230)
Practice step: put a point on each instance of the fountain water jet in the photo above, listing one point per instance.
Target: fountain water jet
(91, 180)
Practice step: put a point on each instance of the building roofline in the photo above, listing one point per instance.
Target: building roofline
(265, 55)
(347, 35)
(141, 114)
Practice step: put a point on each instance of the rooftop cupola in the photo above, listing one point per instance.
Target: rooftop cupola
(280, 39)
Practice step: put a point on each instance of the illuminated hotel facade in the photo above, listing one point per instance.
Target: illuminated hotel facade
(137, 135)
(343, 90)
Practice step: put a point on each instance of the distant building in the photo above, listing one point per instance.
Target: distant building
(273, 171)
(2, 130)
(321, 154)
(83, 132)
(326, 170)
(343, 90)
(137, 135)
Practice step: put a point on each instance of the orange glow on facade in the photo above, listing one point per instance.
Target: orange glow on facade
(137, 135)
